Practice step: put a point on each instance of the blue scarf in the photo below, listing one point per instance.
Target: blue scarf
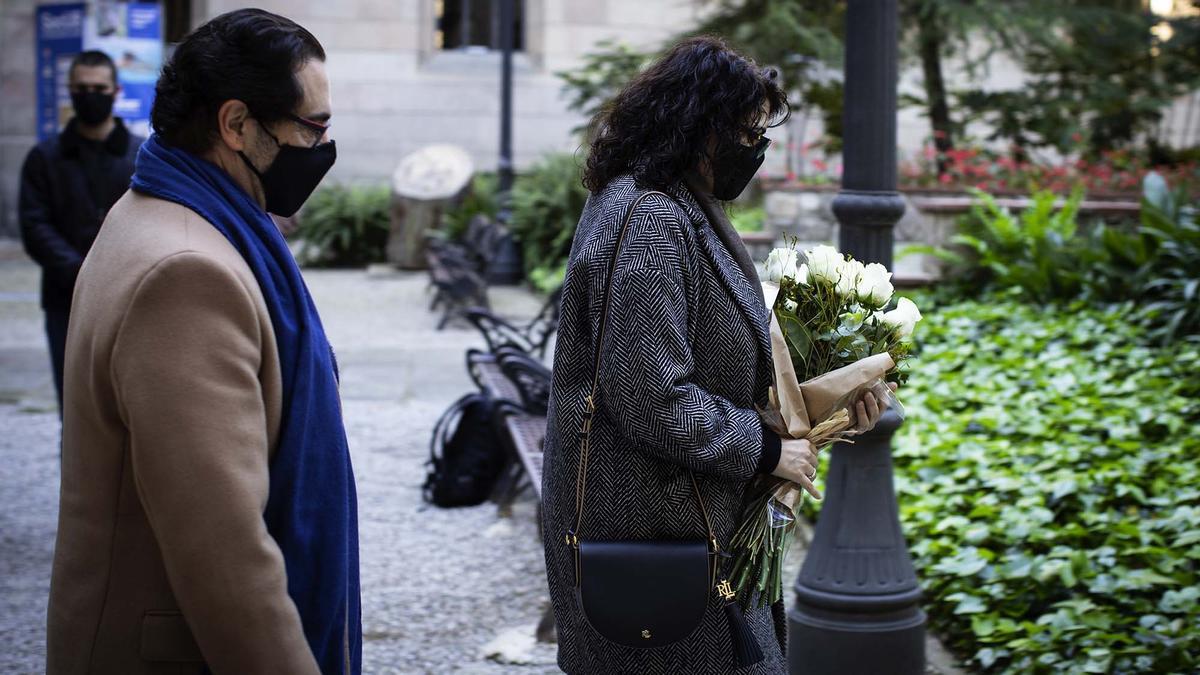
(312, 508)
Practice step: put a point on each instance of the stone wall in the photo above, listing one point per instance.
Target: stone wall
(807, 215)
(18, 112)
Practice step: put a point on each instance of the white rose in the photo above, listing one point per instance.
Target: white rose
(875, 285)
(791, 306)
(781, 263)
(851, 272)
(802, 274)
(824, 264)
(904, 318)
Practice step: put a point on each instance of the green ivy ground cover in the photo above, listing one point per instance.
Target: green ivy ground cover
(1048, 475)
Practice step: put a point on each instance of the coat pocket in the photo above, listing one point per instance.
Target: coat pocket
(166, 637)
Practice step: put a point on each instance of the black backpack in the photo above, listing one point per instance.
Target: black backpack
(466, 455)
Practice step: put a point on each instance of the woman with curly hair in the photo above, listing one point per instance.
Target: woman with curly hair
(662, 357)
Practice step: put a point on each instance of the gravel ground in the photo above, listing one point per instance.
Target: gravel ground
(441, 589)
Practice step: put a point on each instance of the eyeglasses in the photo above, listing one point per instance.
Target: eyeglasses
(760, 148)
(758, 140)
(315, 127)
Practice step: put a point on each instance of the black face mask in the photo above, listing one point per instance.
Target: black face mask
(734, 166)
(92, 107)
(294, 174)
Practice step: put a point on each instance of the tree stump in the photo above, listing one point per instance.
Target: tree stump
(423, 185)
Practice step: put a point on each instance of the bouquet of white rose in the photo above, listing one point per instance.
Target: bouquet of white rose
(831, 341)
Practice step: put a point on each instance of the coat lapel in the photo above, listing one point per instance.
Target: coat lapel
(745, 294)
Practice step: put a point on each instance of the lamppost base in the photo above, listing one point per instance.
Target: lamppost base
(830, 642)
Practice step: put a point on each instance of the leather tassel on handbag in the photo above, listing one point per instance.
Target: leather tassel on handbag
(746, 651)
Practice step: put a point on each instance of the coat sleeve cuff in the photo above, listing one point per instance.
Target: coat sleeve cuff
(772, 446)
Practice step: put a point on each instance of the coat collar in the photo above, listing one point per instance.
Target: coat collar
(116, 144)
(745, 292)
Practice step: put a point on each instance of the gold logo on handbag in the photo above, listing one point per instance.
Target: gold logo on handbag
(726, 590)
(646, 633)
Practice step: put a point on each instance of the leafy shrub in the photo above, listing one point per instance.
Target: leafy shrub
(546, 203)
(1026, 252)
(599, 77)
(479, 200)
(547, 279)
(1043, 257)
(1157, 265)
(345, 226)
(1048, 475)
(748, 219)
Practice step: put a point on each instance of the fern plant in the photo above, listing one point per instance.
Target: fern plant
(480, 199)
(1042, 257)
(345, 226)
(1167, 280)
(546, 203)
(1029, 253)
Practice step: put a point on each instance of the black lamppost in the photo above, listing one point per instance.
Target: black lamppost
(505, 266)
(506, 50)
(856, 608)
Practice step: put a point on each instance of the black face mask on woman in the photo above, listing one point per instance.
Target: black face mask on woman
(734, 166)
(92, 107)
(293, 175)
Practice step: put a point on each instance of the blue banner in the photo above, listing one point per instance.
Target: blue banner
(130, 33)
(59, 38)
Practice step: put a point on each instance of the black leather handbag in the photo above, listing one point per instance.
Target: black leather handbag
(646, 594)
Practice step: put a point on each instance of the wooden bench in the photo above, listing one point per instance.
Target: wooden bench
(458, 269)
(525, 434)
(532, 338)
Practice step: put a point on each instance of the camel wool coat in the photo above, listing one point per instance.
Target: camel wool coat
(163, 562)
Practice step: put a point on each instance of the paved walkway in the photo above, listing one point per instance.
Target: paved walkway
(442, 590)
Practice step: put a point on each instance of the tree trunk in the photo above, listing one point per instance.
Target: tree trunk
(930, 38)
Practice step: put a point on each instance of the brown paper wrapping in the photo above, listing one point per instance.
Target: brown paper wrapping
(797, 407)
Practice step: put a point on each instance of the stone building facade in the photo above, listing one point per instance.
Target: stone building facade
(401, 78)
(394, 88)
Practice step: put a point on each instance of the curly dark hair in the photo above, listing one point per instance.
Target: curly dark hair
(660, 125)
(248, 54)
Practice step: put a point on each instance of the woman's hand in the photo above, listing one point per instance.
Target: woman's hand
(866, 413)
(798, 463)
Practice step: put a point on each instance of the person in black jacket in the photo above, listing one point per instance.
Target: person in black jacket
(68, 184)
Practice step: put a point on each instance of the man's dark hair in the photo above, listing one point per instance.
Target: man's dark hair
(658, 127)
(249, 55)
(93, 57)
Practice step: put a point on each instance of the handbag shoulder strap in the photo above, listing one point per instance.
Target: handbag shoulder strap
(572, 536)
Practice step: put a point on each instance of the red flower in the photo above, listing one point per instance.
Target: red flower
(791, 176)
(944, 179)
(955, 155)
(820, 165)
(1076, 137)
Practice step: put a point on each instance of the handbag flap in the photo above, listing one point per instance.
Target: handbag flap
(643, 593)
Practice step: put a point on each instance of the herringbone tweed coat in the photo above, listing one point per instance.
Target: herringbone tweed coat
(685, 360)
